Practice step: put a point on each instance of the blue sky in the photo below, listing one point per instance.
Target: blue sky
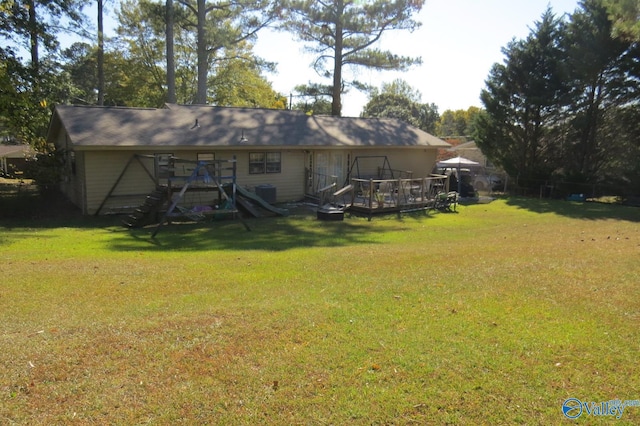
(459, 41)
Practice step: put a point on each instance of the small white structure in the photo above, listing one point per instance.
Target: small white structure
(458, 163)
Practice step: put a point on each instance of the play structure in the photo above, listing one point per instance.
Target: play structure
(209, 190)
(382, 166)
(205, 190)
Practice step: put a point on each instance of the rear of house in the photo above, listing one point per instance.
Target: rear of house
(115, 156)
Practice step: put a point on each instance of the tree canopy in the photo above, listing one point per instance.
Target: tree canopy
(213, 59)
(399, 100)
(30, 87)
(458, 123)
(225, 41)
(221, 27)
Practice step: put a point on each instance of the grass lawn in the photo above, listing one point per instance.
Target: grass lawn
(493, 315)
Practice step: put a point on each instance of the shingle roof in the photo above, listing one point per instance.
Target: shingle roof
(196, 126)
(15, 151)
(465, 145)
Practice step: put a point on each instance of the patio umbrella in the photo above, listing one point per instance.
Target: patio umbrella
(457, 163)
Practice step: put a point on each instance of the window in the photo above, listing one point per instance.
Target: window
(273, 162)
(256, 162)
(265, 162)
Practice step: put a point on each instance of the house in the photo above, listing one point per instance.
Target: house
(288, 150)
(13, 158)
(471, 151)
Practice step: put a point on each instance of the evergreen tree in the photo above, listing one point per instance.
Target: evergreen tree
(344, 32)
(521, 101)
(314, 99)
(624, 16)
(602, 74)
(563, 103)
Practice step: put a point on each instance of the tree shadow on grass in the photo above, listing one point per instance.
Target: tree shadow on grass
(577, 210)
(268, 234)
(30, 211)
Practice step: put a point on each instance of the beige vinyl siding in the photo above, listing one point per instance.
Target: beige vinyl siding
(289, 183)
(104, 167)
(78, 180)
(102, 171)
(419, 161)
(368, 163)
(185, 169)
(71, 185)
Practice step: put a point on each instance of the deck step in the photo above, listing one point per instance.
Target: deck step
(145, 214)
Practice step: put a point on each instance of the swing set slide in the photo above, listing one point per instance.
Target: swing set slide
(241, 192)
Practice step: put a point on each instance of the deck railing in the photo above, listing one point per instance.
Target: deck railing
(317, 181)
(398, 194)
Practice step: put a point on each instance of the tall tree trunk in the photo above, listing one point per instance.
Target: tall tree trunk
(336, 104)
(203, 56)
(171, 67)
(100, 54)
(33, 36)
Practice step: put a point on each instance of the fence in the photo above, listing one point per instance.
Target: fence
(564, 189)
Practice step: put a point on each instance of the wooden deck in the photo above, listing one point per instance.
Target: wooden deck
(385, 196)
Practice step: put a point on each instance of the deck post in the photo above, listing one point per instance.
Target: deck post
(371, 192)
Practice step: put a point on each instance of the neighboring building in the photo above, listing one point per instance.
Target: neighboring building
(13, 158)
(488, 177)
(471, 151)
(292, 152)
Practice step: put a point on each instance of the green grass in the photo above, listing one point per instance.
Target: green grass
(493, 315)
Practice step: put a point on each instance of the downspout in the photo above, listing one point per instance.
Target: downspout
(83, 196)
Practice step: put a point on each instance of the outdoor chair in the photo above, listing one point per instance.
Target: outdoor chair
(446, 201)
